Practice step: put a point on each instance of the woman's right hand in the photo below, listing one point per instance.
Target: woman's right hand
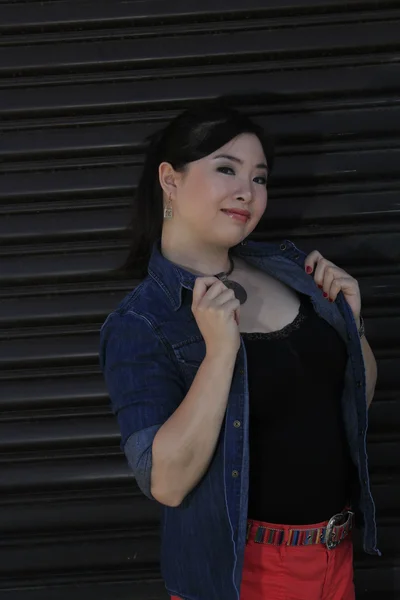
(217, 312)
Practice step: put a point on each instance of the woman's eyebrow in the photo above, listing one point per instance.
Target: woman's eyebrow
(238, 160)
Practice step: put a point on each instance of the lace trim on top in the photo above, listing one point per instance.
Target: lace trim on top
(279, 333)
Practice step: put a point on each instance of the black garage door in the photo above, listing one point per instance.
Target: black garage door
(81, 85)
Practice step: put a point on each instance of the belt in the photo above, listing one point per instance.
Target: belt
(331, 534)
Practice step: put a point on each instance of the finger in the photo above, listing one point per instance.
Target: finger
(233, 307)
(224, 297)
(345, 284)
(311, 260)
(330, 273)
(324, 275)
(201, 286)
(237, 316)
(215, 290)
(333, 290)
(319, 273)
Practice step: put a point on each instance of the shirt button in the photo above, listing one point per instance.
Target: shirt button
(359, 384)
(283, 246)
(235, 473)
(236, 423)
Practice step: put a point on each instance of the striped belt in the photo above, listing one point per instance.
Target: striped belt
(331, 535)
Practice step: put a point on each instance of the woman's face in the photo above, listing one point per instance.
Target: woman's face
(212, 186)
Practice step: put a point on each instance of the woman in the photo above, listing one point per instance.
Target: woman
(240, 376)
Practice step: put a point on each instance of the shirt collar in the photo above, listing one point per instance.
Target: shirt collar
(172, 278)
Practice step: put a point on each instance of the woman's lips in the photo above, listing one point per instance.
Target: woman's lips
(236, 216)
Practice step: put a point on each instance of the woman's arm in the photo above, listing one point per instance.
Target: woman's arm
(331, 279)
(184, 446)
(371, 370)
(169, 434)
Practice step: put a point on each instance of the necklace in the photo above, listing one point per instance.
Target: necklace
(238, 289)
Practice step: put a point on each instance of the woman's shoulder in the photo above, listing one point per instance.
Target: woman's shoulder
(144, 300)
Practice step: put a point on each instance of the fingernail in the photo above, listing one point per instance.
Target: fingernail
(309, 269)
(325, 295)
(320, 287)
(330, 300)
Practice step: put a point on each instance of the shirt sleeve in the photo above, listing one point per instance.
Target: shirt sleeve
(144, 385)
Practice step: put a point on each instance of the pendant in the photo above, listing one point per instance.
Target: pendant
(238, 289)
(168, 212)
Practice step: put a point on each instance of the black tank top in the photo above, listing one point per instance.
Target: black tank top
(300, 467)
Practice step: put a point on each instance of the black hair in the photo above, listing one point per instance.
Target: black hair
(191, 135)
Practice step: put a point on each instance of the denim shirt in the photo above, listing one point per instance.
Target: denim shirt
(150, 350)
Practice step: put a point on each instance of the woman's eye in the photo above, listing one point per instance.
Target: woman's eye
(223, 169)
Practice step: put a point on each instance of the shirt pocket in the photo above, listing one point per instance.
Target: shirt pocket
(190, 353)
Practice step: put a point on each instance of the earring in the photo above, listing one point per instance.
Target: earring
(168, 210)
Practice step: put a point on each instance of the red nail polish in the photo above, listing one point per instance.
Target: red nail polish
(325, 295)
(309, 269)
(320, 287)
(330, 300)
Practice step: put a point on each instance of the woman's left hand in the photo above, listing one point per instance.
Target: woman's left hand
(331, 279)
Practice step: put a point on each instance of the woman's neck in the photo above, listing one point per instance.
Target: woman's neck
(198, 258)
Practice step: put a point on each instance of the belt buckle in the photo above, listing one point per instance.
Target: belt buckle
(338, 519)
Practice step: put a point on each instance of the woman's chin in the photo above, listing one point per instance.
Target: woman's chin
(234, 240)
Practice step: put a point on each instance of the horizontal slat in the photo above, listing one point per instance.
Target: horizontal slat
(81, 348)
(67, 473)
(346, 123)
(79, 431)
(53, 433)
(378, 579)
(35, 101)
(87, 394)
(123, 589)
(71, 347)
(82, 140)
(52, 393)
(300, 170)
(101, 12)
(384, 454)
(155, 590)
(386, 492)
(115, 551)
(92, 222)
(95, 222)
(389, 373)
(384, 416)
(69, 262)
(83, 553)
(103, 180)
(23, 517)
(243, 46)
(75, 266)
(59, 308)
(357, 250)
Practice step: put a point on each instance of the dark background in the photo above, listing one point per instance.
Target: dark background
(81, 84)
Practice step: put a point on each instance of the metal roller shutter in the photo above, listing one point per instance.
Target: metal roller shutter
(81, 84)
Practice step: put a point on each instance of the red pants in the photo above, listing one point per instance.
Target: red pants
(296, 572)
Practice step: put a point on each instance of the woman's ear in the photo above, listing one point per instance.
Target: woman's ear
(167, 177)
